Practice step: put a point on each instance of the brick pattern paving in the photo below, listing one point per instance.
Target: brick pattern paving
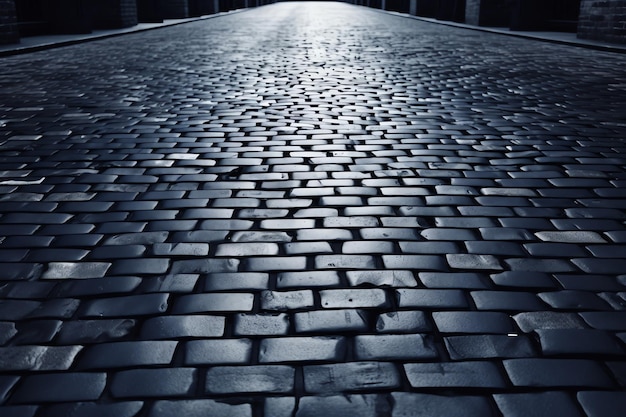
(306, 210)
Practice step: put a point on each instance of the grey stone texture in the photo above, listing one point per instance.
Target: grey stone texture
(312, 209)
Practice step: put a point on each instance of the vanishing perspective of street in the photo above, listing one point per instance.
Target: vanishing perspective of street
(313, 209)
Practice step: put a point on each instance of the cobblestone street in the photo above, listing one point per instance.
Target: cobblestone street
(313, 209)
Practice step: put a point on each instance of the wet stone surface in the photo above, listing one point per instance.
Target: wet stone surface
(312, 209)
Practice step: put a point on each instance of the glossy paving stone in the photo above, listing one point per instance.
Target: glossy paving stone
(353, 376)
(557, 373)
(198, 408)
(142, 383)
(541, 404)
(301, 210)
(250, 379)
(80, 409)
(457, 374)
(60, 387)
(414, 404)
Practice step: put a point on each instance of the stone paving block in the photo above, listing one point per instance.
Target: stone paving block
(487, 322)
(18, 410)
(199, 408)
(261, 324)
(174, 327)
(394, 347)
(413, 404)
(145, 383)
(534, 320)
(236, 281)
(133, 305)
(353, 298)
(431, 298)
(454, 280)
(524, 279)
(37, 332)
(21, 271)
(145, 238)
(574, 300)
(504, 234)
(539, 265)
(403, 322)
(172, 283)
(270, 379)
(60, 387)
(108, 286)
(366, 405)
(307, 279)
(378, 278)
(218, 351)
(557, 373)
(25, 290)
(56, 308)
(332, 321)
(94, 331)
(370, 247)
(180, 249)
(389, 233)
(465, 261)
(11, 310)
(299, 349)
(286, 300)
(38, 358)
(556, 250)
(246, 249)
(199, 236)
(618, 370)
(540, 404)
(279, 406)
(76, 270)
(605, 404)
(600, 266)
(350, 377)
(589, 282)
(455, 374)
(205, 303)
(323, 234)
(140, 266)
(275, 263)
(298, 248)
(415, 262)
(84, 409)
(507, 301)
(448, 234)
(429, 248)
(127, 354)
(7, 331)
(489, 346)
(556, 342)
(571, 237)
(610, 320)
(112, 252)
(345, 262)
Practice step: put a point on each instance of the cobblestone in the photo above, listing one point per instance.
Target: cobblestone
(302, 210)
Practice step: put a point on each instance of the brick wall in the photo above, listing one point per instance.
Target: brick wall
(603, 20)
(8, 22)
(110, 14)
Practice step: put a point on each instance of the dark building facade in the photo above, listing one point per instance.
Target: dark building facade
(602, 20)
(8, 22)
